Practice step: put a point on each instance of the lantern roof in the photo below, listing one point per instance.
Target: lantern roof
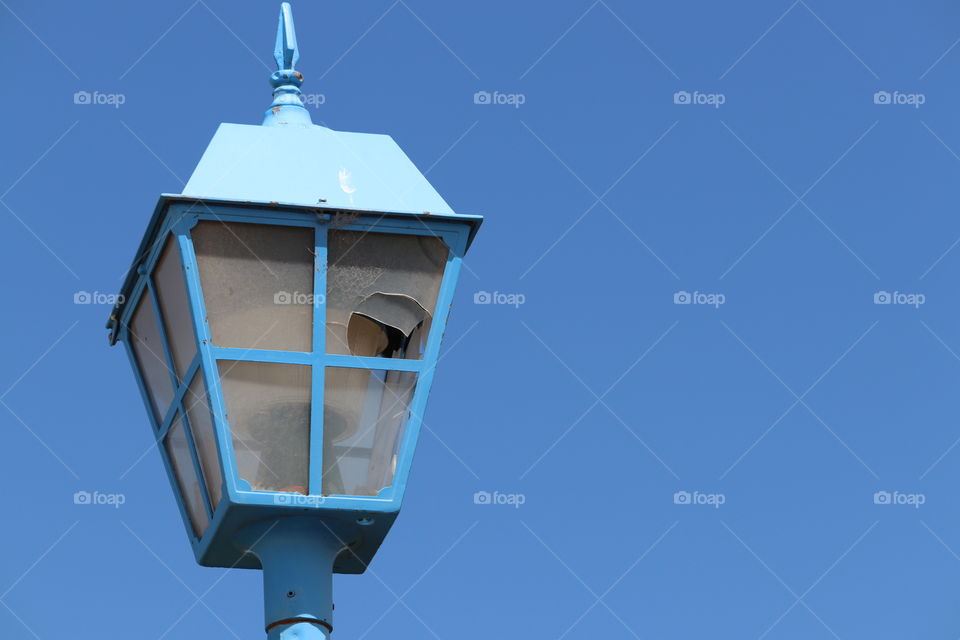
(313, 166)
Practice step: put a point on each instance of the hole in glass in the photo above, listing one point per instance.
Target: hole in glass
(381, 292)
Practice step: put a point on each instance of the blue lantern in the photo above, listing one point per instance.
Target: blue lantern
(283, 316)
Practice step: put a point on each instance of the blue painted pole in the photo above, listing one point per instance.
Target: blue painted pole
(296, 555)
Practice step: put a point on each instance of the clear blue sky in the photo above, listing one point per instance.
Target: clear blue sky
(781, 184)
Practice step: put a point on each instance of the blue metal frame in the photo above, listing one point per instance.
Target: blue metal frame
(211, 376)
(180, 387)
(178, 221)
(319, 344)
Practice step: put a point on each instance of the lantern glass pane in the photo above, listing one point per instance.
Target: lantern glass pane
(364, 415)
(178, 450)
(147, 345)
(257, 283)
(268, 408)
(197, 406)
(381, 292)
(171, 290)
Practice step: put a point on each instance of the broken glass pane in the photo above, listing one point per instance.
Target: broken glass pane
(381, 292)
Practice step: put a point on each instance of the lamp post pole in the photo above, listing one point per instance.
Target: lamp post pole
(297, 556)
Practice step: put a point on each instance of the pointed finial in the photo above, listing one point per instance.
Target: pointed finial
(286, 53)
(287, 107)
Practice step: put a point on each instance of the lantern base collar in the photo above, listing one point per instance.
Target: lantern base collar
(297, 556)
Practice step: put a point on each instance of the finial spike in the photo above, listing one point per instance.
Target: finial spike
(287, 107)
(286, 52)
